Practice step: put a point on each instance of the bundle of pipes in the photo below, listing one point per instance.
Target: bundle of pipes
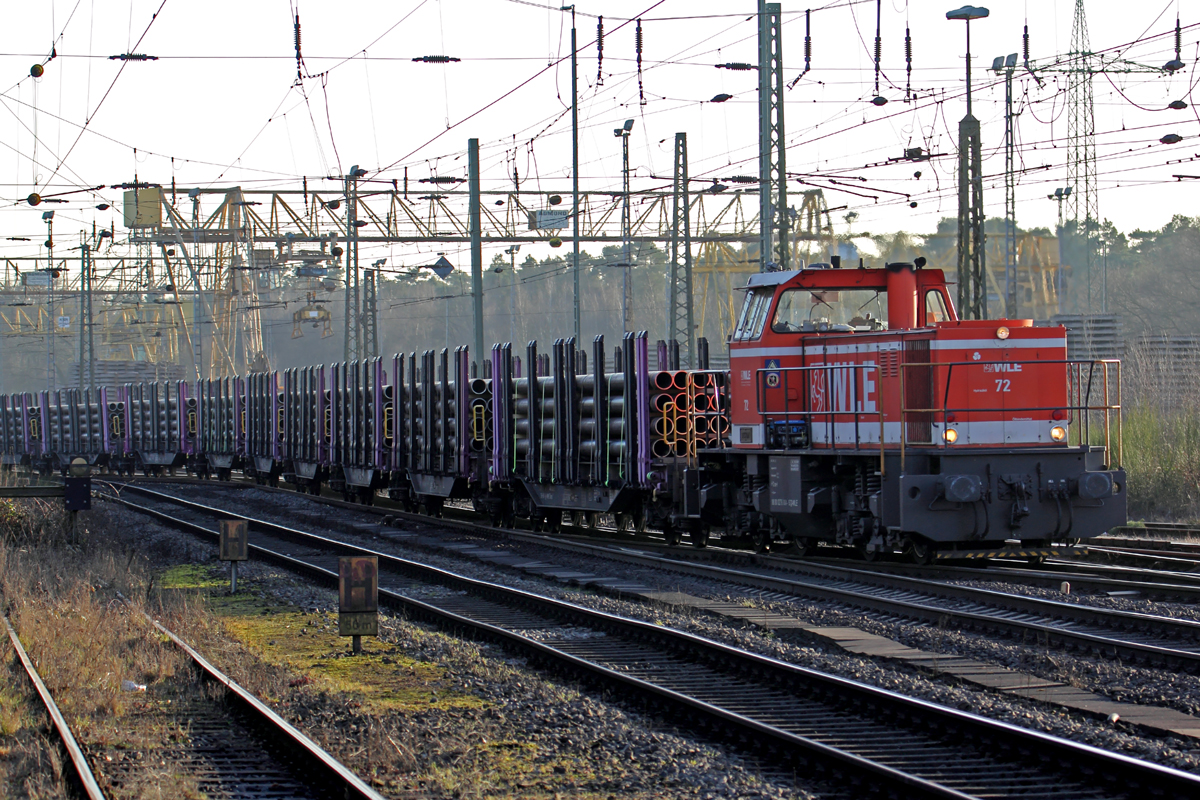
(569, 425)
(357, 414)
(533, 419)
(303, 413)
(218, 420)
(11, 425)
(76, 422)
(564, 423)
(670, 413)
(710, 408)
(603, 426)
(153, 417)
(688, 412)
(261, 415)
(439, 434)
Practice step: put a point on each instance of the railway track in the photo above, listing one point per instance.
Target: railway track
(237, 747)
(1144, 638)
(875, 740)
(1082, 575)
(1159, 529)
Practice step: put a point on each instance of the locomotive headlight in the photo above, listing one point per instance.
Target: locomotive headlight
(951, 436)
(1002, 332)
(1058, 433)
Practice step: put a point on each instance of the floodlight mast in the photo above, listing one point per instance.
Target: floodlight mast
(968, 13)
(972, 273)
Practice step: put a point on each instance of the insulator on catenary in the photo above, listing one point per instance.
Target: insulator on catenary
(600, 51)
(1176, 64)
(908, 62)
(807, 39)
(878, 41)
(638, 47)
(1025, 46)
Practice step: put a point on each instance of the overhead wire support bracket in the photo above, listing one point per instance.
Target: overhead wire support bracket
(807, 48)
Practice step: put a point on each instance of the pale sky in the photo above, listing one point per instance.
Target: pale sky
(221, 106)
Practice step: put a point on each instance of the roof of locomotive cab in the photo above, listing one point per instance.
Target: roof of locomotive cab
(843, 278)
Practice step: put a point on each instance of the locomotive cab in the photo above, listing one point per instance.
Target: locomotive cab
(882, 420)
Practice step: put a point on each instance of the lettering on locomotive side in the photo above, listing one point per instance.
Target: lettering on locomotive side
(1003, 368)
(854, 387)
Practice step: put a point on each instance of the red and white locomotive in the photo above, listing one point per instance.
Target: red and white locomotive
(864, 412)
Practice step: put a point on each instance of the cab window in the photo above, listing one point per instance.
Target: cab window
(817, 309)
(754, 315)
(935, 308)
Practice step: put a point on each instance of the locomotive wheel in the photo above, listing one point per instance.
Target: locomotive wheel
(224, 474)
(699, 536)
(366, 496)
(868, 555)
(762, 541)
(624, 522)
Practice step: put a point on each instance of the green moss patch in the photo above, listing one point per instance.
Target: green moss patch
(382, 677)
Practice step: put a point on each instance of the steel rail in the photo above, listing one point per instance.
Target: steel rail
(83, 772)
(1050, 621)
(341, 781)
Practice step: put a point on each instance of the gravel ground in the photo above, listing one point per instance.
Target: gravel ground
(1110, 678)
(586, 747)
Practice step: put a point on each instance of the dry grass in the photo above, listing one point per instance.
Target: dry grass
(61, 598)
(1161, 439)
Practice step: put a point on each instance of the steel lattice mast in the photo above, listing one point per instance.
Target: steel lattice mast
(1083, 205)
(774, 243)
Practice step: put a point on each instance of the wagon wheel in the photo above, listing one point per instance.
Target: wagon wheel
(761, 540)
